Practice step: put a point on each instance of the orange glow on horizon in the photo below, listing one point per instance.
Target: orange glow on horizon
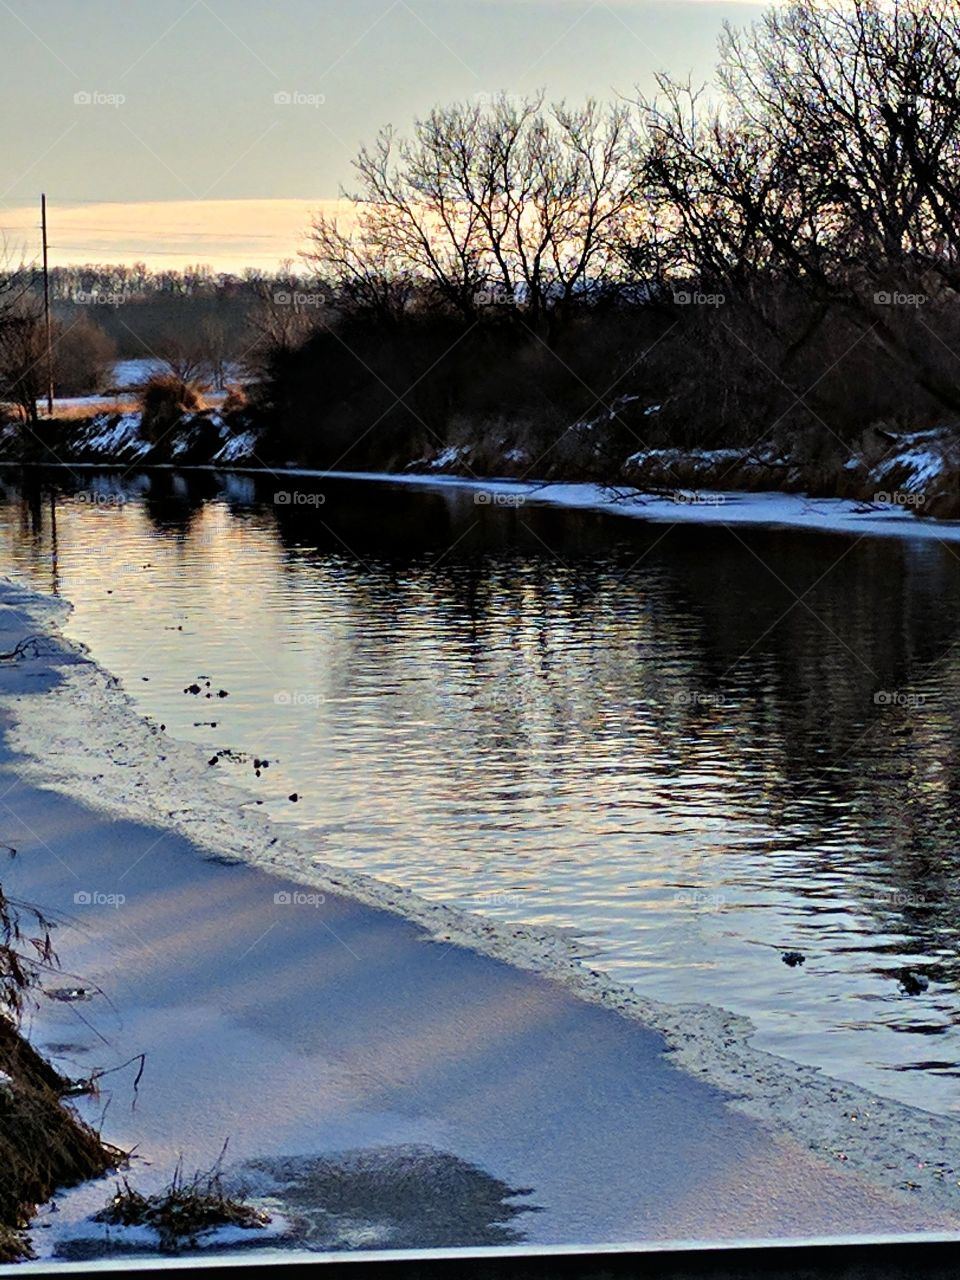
(227, 235)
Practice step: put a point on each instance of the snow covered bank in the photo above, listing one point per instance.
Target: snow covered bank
(83, 738)
(117, 439)
(919, 471)
(685, 506)
(131, 374)
(890, 484)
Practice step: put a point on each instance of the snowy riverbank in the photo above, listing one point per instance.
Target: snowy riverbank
(786, 510)
(907, 483)
(127, 790)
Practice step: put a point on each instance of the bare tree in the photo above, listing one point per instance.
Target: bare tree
(363, 273)
(496, 204)
(287, 311)
(183, 353)
(830, 157)
(215, 349)
(23, 355)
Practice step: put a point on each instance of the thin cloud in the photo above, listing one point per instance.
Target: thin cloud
(226, 234)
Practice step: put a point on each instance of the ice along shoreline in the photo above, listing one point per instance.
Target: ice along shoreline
(682, 506)
(730, 508)
(83, 737)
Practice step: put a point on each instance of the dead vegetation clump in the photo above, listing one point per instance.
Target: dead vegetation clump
(87, 410)
(236, 400)
(164, 402)
(184, 1210)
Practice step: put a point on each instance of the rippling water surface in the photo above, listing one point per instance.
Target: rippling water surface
(695, 748)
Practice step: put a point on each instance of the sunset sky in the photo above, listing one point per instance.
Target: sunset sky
(155, 128)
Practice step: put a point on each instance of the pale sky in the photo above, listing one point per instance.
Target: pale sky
(155, 128)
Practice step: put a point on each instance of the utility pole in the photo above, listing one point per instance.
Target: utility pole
(46, 306)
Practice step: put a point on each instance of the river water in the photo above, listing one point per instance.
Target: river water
(695, 748)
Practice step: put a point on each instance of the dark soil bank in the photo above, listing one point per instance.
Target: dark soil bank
(918, 471)
(43, 1144)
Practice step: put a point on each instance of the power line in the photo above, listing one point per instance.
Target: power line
(226, 235)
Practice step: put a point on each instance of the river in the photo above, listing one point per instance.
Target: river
(692, 748)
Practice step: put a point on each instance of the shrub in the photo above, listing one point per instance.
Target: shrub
(83, 358)
(235, 400)
(164, 401)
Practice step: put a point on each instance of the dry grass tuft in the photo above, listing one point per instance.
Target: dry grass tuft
(184, 1210)
(43, 1144)
(90, 410)
(164, 401)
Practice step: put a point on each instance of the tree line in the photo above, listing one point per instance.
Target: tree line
(769, 261)
(775, 255)
(201, 325)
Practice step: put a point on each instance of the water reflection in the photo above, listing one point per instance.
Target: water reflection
(696, 747)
